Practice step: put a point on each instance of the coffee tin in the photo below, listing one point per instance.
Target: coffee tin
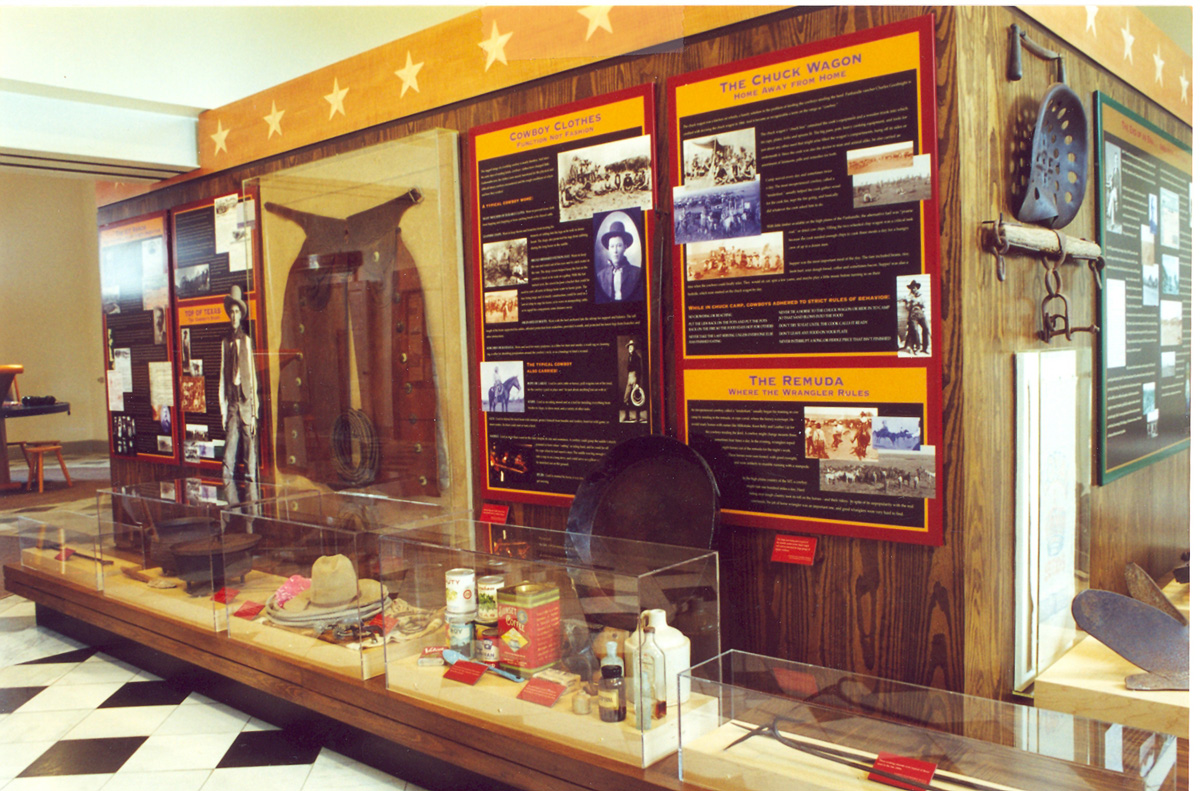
(460, 591)
(530, 627)
(489, 607)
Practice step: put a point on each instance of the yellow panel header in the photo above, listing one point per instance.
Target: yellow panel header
(558, 129)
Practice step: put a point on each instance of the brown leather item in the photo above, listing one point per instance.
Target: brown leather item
(354, 293)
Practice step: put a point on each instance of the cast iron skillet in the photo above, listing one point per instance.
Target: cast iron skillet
(650, 488)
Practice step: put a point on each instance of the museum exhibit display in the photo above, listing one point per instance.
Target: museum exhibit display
(178, 546)
(784, 725)
(575, 639)
(360, 262)
(309, 589)
(878, 315)
(64, 544)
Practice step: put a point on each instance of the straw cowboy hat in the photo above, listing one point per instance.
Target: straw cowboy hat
(336, 592)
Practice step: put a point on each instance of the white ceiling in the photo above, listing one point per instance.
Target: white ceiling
(122, 86)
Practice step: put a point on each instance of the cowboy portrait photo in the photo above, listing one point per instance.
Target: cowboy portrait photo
(617, 250)
(503, 385)
(238, 391)
(912, 316)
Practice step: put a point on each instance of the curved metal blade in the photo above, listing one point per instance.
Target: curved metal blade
(1156, 681)
(1143, 588)
(1146, 636)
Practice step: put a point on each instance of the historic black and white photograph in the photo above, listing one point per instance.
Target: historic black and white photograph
(726, 158)
(1171, 311)
(746, 256)
(912, 316)
(724, 212)
(506, 263)
(900, 185)
(1169, 218)
(895, 474)
(1169, 284)
(1112, 188)
(617, 251)
(1168, 365)
(842, 432)
(896, 433)
(604, 177)
(503, 385)
(500, 307)
(631, 381)
(1150, 281)
(191, 281)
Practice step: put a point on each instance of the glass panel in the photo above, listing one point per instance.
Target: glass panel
(777, 723)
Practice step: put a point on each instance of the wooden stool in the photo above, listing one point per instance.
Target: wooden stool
(35, 457)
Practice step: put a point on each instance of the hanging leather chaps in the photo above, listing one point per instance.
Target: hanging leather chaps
(357, 403)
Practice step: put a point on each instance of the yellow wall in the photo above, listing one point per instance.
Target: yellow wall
(50, 302)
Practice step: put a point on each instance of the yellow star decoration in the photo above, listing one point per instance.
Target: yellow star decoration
(1127, 34)
(335, 100)
(408, 75)
(1158, 64)
(219, 139)
(597, 16)
(494, 47)
(1183, 84)
(272, 120)
(1092, 10)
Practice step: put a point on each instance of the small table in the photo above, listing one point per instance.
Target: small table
(11, 410)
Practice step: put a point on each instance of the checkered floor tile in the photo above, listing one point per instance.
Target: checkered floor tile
(75, 719)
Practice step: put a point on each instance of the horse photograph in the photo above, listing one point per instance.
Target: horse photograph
(503, 386)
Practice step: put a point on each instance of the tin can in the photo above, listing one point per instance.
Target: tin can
(460, 633)
(530, 627)
(460, 591)
(487, 646)
(489, 607)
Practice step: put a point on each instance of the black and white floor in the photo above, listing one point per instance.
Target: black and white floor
(73, 718)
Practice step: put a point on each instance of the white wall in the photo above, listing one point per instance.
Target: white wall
(50, 320)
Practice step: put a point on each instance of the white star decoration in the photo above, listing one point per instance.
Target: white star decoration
(1092, 10)
(408, 75)
(335, 100)
(597, 16)
(272, 120)
(1183, 84)
(494, 47)
(219, 139)
(1158, 64)
(1127, 34)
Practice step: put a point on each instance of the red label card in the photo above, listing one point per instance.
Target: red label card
(387, 624)
(225, 595)
(542, 692)
(65, 554)
(911, 768)
(795, 683)
(495, 513)
(249, 609)
(466, 672)
(794, 549)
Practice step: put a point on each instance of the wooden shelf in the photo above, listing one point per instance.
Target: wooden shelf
(473, 744)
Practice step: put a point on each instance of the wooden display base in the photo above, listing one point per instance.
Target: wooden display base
(500, 751)
(1089, 681)
(495, 700)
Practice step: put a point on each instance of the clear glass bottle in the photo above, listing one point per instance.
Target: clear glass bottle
(654, 663)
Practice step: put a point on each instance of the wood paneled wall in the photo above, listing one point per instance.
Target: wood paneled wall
(935, 616)
(1142, 517)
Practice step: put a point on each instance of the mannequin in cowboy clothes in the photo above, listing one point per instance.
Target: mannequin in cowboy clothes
(238, 391)
(617, 280)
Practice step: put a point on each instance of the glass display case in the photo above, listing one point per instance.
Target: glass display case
(780, 724)
(168, 542)
(64, 544)
(310, 584)
(361, 262)
(575, 638)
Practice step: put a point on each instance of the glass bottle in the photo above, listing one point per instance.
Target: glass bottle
(612, 693)
(654, 663)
